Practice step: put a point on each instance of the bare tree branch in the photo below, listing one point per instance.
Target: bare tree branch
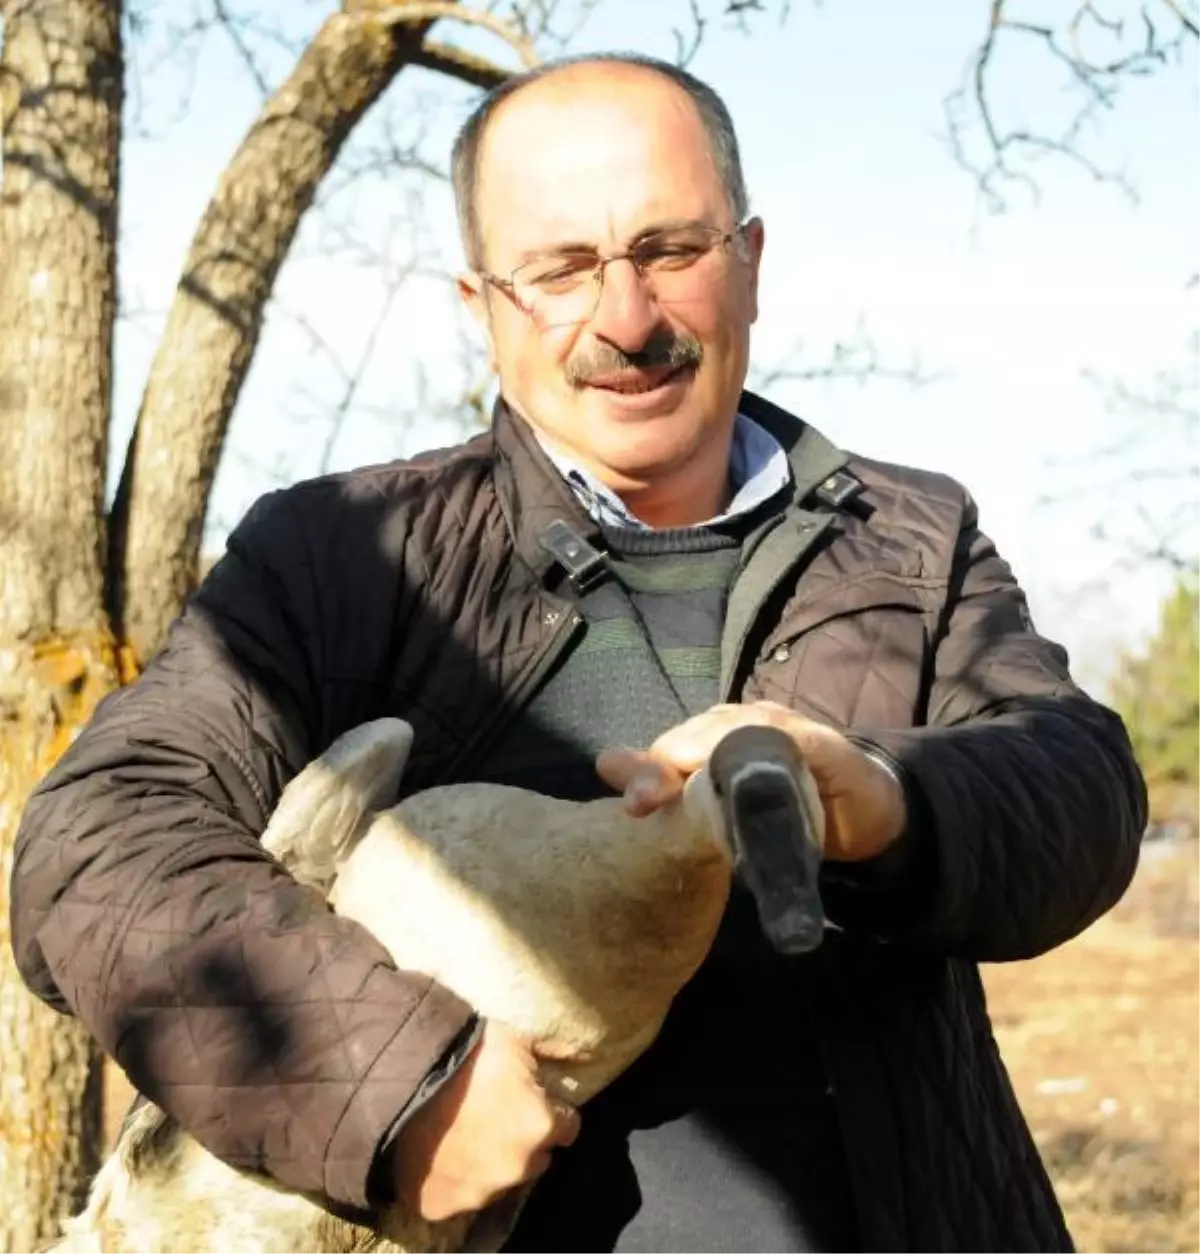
(738, 10)
(350, 376)
(244, 235)
(1188, 20)
(446, 59)
(686, 49)
(998, 154)
(1146, 481)
(419, 12)
(230, 26)
(543, 24)
(165, 48)
(1163, 548)
(387, 154)
(216, 317)
(856, 359)
(687, 45)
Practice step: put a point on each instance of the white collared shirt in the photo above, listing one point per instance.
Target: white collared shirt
(758, 469)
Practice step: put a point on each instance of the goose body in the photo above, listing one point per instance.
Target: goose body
(573, 923)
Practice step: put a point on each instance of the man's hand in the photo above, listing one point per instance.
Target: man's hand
(488, 1129)
(864, 804)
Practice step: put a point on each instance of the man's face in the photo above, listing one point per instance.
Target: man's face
(591, 160)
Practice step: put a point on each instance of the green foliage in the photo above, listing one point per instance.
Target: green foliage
(1157, 693)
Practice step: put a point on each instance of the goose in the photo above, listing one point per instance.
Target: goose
(574, 923)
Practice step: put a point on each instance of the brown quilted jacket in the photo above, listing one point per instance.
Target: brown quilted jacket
(282, 1036)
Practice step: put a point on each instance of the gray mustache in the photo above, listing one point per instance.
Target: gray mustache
(601, 358)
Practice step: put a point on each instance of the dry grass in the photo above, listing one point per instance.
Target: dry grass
(1101, 1037)
(1101, 1040)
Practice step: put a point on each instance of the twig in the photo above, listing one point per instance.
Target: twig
(856, 360)
(685, 52)
(1186, 20)
(418, 11)
(446, 59)
(1099, 81)
(1151, 470)
(353, 380)
(227, 23)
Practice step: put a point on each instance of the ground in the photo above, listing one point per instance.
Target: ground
(1100, 1038)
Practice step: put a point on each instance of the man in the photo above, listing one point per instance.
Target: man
(638, 557)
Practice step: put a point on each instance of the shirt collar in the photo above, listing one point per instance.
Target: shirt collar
(758, 469)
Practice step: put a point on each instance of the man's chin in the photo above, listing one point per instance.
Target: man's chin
(644, 455)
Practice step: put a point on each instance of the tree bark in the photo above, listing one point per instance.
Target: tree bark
(50, 1102)
(216, 317)
(60, 115)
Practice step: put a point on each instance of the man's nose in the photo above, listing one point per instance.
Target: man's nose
(627, 313)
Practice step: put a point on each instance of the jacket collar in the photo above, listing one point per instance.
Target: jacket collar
(532, 494)
(813, 456)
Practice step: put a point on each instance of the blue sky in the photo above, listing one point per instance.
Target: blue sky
(868, 221)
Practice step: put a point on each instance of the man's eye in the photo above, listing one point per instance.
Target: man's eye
(560, 273)
(667, 255)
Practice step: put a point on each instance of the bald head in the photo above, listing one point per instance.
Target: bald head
(558, 100)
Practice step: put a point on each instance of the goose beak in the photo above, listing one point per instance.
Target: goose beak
(775, 826)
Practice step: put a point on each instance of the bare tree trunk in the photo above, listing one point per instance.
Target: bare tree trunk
(215, 320)
(60, 109)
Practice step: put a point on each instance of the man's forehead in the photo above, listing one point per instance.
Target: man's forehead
(544, 122)
(592, 83)
(594, 163)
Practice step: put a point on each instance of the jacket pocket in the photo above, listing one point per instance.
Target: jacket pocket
(857, 654)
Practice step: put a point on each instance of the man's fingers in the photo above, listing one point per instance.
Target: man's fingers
(654, 777)
(560, 1130)
(689, 745)
(646, 782)
(619, 767)
(538, 1165)
(556, 1123)
(567, 1122)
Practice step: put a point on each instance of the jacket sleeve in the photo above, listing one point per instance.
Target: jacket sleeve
(1026, 806)
(280, 1035)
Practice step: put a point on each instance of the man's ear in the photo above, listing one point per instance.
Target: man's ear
(474, 295)
(756, 237)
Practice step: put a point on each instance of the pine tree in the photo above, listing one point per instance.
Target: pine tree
(1157, 692)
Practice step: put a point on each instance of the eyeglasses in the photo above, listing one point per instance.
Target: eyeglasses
(563, 289)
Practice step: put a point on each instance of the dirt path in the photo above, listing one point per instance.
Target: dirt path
(1100, 1038)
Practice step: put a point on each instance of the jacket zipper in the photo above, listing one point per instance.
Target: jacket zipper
(565, 629)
